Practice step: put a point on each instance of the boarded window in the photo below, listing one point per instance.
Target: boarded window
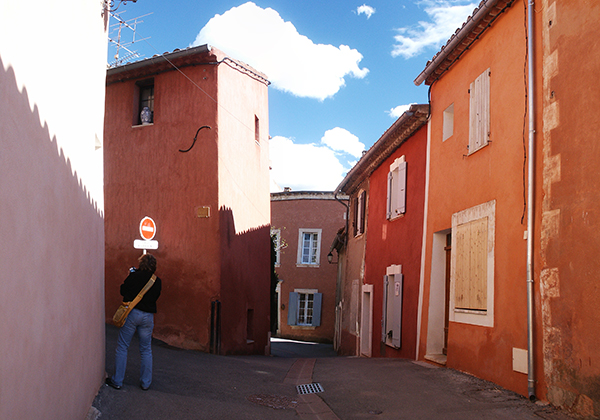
(396, 192)
(479, 109)
(471, 265)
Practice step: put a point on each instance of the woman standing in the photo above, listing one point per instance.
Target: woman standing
(140, 319)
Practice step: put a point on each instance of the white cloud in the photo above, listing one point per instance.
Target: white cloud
(446, 16)
(304, 167)
(367, 10)
(261, 38)
(396, 112)
(342, 140)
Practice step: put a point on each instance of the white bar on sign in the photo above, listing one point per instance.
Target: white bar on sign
(142, 244)
(148, 228)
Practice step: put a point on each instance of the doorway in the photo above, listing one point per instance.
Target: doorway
(366, 321)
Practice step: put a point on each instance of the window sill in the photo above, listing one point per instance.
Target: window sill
(142, 125)
(302, 327)
(308, 265)
(249, 341)
(399, 216)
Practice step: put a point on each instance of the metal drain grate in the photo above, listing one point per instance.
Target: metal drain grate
(309, 389)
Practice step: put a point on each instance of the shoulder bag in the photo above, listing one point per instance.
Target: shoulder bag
(120, 316)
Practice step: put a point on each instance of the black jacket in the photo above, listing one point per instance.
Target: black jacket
(132, 286)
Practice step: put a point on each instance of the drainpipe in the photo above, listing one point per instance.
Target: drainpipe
(530, 193)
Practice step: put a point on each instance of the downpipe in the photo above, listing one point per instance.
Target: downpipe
(530, 198)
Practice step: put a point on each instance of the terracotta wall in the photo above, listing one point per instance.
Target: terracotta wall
(397, 242)
(52, 277)
(569, 222)
(289, 216)
(146, 175)
(459, 181)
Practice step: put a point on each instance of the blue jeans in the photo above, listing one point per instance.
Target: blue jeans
(143, 323)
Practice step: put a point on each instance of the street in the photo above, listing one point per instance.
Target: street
(194, 385)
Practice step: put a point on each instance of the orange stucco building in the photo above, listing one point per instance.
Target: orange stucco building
(199, 168)
(508, 289)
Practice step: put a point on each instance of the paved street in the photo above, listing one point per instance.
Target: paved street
(194, 385)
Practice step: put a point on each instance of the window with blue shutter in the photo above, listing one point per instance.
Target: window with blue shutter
(304, 308)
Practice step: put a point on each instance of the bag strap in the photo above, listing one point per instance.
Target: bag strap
(143, 291)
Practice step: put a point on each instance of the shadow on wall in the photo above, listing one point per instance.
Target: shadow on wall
(245, 287)
(52, 251)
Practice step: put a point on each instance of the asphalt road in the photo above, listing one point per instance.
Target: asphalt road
(194, 385)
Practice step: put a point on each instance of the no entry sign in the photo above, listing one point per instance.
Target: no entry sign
(147, 228)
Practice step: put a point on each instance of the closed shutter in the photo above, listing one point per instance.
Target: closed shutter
(384, 310)
(401, 189)
(479, 112)
(395, 298)
(470, 290)
(293, 309)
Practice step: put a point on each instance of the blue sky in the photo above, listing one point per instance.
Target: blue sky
(341, 72)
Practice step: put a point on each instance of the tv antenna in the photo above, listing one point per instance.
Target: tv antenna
(123, 50)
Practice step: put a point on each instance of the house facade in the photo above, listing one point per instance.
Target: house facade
(510, 229)
(196, 162)
(51, 201)
(303, 224)
(379, 287)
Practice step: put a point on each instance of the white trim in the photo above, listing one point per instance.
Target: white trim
(424, 240)
(301, 232)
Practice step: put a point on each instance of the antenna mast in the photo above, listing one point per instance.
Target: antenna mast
(118, 27)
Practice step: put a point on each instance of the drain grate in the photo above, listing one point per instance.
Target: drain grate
(309, 389)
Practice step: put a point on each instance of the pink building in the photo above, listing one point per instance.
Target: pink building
(304, 224)
(198, 166)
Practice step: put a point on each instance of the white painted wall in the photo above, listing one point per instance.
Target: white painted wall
(52, 72)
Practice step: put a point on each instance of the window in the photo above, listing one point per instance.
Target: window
(448, 128)
(479, 112)
(360, 210)
(396, 192)
(309, 247)
(391, 322)
(472, 265)
(256, 129)
(276, 238)
(145, 98)
(304, 308)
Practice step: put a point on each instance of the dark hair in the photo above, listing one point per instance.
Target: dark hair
(147, 263)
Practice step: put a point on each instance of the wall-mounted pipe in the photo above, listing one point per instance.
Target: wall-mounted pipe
(530, 202)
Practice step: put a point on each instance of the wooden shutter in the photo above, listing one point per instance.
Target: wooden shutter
(401, 189)
(479, 112)
(293, 309)
(316, 316)
(384, 310)
(470, 277)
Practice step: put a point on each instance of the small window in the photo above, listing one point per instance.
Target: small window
(276, 238)
(256, 129)
(448, 129)
(479, 112)
(393, 281)
(360, 210)
(304, 308)
(144, 112)
(309, 247)
(396, 192)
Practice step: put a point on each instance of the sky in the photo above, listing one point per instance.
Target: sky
(341, 71)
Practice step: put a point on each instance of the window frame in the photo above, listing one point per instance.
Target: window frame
(140, 87)
(360, 211)
(480, 317)
(276, 232)
(301, 233)
(396, 189)
(294, 308)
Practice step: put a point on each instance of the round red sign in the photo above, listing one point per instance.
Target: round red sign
(147, 228)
